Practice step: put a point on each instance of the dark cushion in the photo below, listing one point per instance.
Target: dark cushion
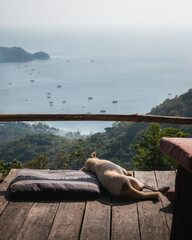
(179, 149)
(51, 183)
(170, 194)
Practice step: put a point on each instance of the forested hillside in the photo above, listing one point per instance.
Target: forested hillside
(14, 130)
(113, 144)
(17, 54)
(31, 146)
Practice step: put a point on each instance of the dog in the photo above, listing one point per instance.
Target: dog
(118, 181)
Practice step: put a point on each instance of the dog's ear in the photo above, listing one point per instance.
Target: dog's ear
(93, 154)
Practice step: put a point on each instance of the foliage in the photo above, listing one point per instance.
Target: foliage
(178, 106)
(113, 144)
(14, 130)
(5, 167)
(75, 158)
(148, 156)
(41, 162)
(31, 146)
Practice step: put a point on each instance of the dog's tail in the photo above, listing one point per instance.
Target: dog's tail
(162, 190)
(128, 191)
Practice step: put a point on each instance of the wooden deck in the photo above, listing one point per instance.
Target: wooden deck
(105, 218)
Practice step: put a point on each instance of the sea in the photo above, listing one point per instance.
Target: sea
(95, 71)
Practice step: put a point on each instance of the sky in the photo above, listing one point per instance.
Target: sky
(120, 14)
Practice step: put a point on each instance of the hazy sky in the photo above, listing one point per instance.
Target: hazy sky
(95, 13)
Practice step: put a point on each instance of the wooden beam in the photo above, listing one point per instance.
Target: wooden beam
(95, 117)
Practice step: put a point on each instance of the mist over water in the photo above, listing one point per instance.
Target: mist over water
(89, 70)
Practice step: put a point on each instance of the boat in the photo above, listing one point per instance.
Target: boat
(102, 111)
(59, 86)
(114, 101)
(90, 98)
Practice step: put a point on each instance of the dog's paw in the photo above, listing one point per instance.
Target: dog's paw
(163, 190)
(129, 174)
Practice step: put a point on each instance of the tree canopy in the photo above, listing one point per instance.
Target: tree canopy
(147, 154)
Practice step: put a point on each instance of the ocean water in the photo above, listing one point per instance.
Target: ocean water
(89, 70)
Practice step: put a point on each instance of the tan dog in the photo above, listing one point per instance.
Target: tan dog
(118, 181)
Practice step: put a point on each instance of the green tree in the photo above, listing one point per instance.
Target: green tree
(147, 153)
(5, 167)
(41, 162)
(74, 158)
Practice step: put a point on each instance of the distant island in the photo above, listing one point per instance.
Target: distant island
(17, 54)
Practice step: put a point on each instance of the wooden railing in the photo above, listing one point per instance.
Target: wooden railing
(95, 117)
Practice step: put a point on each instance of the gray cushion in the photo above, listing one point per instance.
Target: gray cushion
(54, 183)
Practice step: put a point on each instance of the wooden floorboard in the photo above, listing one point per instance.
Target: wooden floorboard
(96, 224)
(124, 220)
(152, 221)
(39, 221)
(13, 219)
(124, 224)
(166, 178)
(68, 220)
(108, 217)
(4, 193)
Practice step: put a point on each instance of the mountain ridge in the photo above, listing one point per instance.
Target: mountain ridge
(18, 54)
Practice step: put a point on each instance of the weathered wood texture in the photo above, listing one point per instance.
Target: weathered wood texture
(166, 178)
(124, 217)
(67, 223)
(13, 219)
(4, 193)
(124, 220)
(39, 221)
(151, 220)
(96, 224)
(108, 217)
(95, 117)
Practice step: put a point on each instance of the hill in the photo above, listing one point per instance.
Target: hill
(13, 130)
(31, 146)
(17, 54)
(113, 144)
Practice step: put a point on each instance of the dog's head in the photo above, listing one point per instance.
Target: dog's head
(90, 162)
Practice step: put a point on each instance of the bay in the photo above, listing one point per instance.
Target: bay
(90, 72)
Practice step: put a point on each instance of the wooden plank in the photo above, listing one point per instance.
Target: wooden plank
(95, 117)
(4, 194)
(124, 220)
(166, 178)
(39, 221)
(152, 221)
(13, 219)
(67, 223)
(96, 224)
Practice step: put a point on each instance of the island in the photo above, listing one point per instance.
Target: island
(18, 54)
